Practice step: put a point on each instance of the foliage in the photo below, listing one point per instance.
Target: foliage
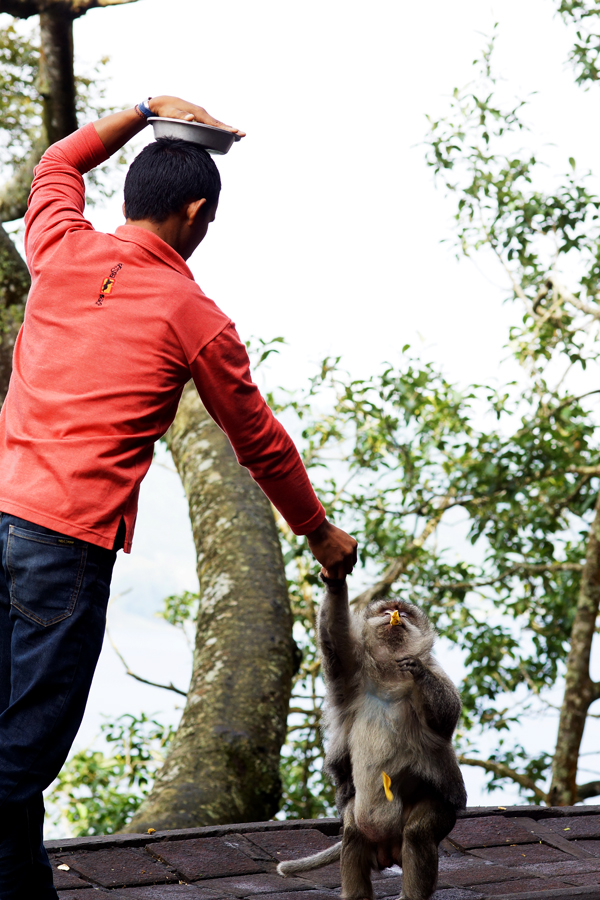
(21, 103)
(401, 452)
(514, 471)
(404, 456)
(98, 792)
(179, 608)
(585, 55)
(307, 793)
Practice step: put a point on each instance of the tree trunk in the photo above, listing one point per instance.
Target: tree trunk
(57, 78)
(57, 87)
(224, 763)
(580, 690)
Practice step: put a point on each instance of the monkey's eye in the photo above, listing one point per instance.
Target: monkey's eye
(405, 615)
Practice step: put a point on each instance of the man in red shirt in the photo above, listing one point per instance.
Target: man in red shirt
(114, 328)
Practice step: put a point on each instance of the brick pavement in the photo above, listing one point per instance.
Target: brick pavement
(518, 853)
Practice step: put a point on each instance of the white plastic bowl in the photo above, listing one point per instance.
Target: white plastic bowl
(214, 140)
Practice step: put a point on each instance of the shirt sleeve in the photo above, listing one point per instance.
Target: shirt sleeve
(221, 373)
(57, 196)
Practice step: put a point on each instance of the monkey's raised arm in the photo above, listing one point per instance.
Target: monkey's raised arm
(339, 654)
(435, 697)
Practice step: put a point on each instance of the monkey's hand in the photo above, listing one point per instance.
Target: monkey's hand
(412, 666)
(334, 549)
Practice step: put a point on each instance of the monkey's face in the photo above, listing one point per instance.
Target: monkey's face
(395, 623)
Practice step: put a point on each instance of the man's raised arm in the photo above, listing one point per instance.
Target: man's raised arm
(115, 130)
(57, 197)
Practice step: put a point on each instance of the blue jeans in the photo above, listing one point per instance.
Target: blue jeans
(53, 596)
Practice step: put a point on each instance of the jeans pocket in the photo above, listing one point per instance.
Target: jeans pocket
(46, 571)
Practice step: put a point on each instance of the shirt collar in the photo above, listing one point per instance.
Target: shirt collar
(154, 245)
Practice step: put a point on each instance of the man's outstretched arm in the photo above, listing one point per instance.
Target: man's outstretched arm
(221, 372)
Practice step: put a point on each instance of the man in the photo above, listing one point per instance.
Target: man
(114, 328)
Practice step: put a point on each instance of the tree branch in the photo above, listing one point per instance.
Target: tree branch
(570, 400)
(395, 570)
(583, 307)
(534, 568)
(504, 771)
(69, 9)
(584, 470)
(585, 791)
(22, 9)
(543, 291)
(165, 687)
(564, 503)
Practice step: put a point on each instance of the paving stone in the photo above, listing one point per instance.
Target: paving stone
(457, 894)
(328, 876)
(446, 849)
(248, 885)
(205, 858)
(306, 895)
(592, 847)
(248, 847)
(468, 872)
(571, 867)
(388, 887)
(572, 827)
(521, 855)
(523, 886)
(589, 878)
(89, 894)
(63, 880)
(292, 844)
(118, 867)
(489, 831)
(175, 891)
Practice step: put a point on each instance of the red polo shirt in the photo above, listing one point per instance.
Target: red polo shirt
(114, 328)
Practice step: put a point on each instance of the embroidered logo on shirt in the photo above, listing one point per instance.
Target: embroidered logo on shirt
(108, 283)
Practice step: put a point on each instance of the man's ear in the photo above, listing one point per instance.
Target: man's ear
(123, 210)
(193, 209)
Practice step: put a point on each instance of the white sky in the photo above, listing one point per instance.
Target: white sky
(329, 227)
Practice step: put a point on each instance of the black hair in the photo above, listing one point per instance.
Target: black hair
(165, 176)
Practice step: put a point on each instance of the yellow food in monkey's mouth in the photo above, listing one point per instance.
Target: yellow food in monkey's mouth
(395, 620)
(387, 782)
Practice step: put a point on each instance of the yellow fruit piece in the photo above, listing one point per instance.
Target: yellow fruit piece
(386, 785)
(395, 620)
(152, 831)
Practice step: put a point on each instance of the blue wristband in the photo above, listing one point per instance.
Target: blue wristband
(145, 109)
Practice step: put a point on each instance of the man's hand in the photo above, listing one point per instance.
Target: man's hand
(115, 130)
(334, 549)
(175, 108)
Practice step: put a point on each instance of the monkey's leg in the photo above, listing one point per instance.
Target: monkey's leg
(429, 821)
(357, 860)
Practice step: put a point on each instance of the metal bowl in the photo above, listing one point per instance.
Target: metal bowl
(215, 140)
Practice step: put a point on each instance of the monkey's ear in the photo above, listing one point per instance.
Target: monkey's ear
(334, 584)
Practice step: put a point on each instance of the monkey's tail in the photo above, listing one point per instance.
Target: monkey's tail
(332, 854)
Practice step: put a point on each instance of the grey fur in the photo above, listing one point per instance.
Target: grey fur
(389, 708)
